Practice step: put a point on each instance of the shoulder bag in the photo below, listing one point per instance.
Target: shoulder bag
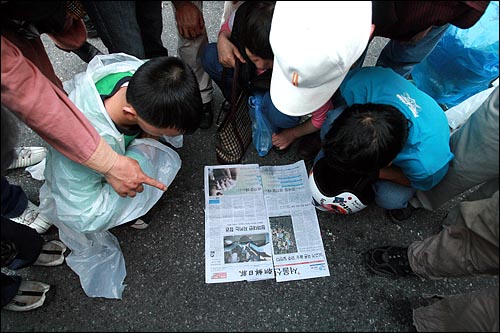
(234, 134)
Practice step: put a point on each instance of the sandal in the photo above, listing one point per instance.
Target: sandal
(52, 254)
(389, 261)
(30, 295)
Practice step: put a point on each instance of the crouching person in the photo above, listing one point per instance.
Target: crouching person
(131, 103)
(387, 141)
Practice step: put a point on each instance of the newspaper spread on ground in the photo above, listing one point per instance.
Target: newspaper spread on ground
(260, 224)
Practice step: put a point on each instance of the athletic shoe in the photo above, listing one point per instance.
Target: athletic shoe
(30, 295)
(33, 219)
(52, 254)
(140, 224)
(389, 261)
(27, 156)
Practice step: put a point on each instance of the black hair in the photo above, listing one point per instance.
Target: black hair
(9, 138)
(165, 93)
(255, 31)
(366, 137)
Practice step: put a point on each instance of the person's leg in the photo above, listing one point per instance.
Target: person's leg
(475, 146)
(474, 312)
(27, 242)
(403, 56)
(190, 51)
(468, 244)
(116, 23)
(277, 119)
(73, 38)
(390, 195)
(9, 286)
(149, 18)
(14, 200)
(212, 66)
(21, 247)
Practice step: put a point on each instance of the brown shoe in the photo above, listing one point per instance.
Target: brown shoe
(309, 146)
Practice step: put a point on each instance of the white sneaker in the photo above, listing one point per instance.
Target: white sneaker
(139, 224)
(33, 219)
(52, 254)
(27, 156)
(30, 295)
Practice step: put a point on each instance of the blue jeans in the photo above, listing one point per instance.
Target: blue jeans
(211, 64)
(388, 195)
(403, 56)
(132, 27)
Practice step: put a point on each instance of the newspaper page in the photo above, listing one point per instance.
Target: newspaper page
(238, 243)
(260, 224)
(298, 251)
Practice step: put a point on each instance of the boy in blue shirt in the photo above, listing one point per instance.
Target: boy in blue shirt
(389, 127)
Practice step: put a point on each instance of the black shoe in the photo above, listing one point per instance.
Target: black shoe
(389, 261)
(309, 146)
(207, 117)
(398, 215)
(87, 51)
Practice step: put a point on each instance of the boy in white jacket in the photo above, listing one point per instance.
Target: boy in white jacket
(124, 98)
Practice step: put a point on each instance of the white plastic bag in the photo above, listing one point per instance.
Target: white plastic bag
(459, 114)
(97, 257)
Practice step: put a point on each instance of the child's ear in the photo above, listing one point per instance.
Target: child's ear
(129, 112)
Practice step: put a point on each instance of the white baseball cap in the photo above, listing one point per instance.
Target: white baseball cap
(314, 44)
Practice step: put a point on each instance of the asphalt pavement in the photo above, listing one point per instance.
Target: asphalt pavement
(166, 289)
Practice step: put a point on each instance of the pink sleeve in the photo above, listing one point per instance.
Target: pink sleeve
(319, 116)
(45, 108)
(225, 27)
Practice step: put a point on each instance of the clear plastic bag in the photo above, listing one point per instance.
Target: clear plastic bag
(82, 205)
(464, 62)
(261, 128)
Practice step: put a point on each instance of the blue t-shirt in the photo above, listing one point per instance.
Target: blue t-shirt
(425, 157)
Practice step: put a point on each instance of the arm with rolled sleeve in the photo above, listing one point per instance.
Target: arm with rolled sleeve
(50, 113)
(45, 108)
